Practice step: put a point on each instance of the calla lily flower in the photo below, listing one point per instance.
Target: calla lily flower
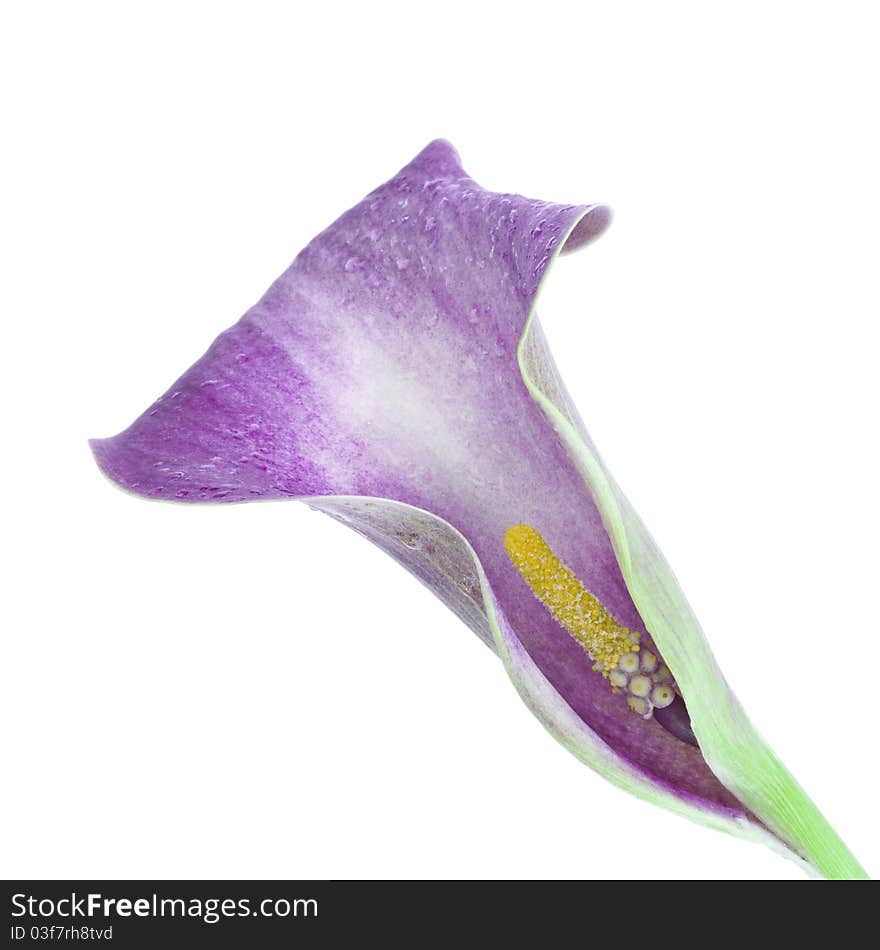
(396, 377)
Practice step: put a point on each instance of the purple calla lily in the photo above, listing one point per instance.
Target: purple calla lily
(395, 377)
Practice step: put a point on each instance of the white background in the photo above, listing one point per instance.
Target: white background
(252, 691)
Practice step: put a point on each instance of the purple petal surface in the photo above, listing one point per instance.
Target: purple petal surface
(383, 363)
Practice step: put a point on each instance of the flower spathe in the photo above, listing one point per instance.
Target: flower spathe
(395, 377)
